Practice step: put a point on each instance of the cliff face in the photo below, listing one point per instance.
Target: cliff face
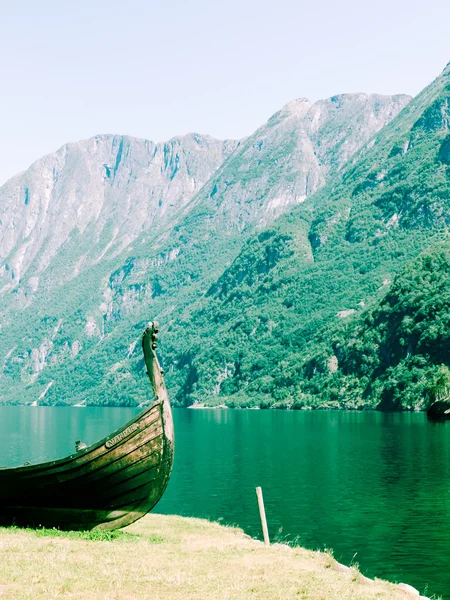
(109, 232)
(106, 190)
(294, 153)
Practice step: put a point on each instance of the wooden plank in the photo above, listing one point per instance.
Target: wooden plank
(146, 439)
(144, 416)
(86, 456)
(50, 486)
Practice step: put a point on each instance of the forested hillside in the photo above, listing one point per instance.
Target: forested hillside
(397, 354)
(266, 331)
(111, 232)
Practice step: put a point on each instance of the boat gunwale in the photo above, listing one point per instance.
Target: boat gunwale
(74, 464)
(81, 453)
(103, 467)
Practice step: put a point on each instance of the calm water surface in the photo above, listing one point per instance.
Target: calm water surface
(373, 487)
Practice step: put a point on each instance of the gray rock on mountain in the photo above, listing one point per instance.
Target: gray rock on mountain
(105, 231)
(291, 156)
(112, 187)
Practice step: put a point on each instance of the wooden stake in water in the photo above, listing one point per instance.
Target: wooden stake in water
(262, 514)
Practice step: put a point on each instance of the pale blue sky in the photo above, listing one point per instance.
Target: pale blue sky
(73, 68)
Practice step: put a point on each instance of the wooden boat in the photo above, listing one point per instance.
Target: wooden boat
(104, 486)
(439, 411)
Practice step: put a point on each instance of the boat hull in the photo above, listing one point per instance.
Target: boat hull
(108, 485)
(439, 411)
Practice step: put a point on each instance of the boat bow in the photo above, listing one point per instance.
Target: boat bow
(107, 485)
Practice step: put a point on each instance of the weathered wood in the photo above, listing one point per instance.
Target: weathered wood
(262, 514)
(107, 485)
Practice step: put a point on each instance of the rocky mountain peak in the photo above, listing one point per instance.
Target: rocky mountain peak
(295, 108)
(111, 187)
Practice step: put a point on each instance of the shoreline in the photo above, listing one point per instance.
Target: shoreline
(176, 558)
(202, 406)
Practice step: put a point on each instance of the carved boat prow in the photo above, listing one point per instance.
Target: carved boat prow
(107, 485)
(154, 371)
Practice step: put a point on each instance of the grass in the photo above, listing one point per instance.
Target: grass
(172, 558)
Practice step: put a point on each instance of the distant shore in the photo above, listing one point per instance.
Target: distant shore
(203, 406)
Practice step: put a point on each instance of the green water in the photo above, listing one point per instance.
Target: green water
(373, 487)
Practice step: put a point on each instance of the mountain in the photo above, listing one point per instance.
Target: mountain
(278, 326)
(105, 192)
(293, 154)
(109, 232)
(397, 354)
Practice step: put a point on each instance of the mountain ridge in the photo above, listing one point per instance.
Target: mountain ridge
(277, 306)
(92, 290)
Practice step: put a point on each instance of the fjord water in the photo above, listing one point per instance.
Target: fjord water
(373, 487)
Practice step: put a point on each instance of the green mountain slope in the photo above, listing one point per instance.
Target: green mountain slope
(264, 330)
(110, 232)
(397, 354)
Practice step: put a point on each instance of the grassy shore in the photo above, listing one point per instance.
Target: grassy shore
(172, 558)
